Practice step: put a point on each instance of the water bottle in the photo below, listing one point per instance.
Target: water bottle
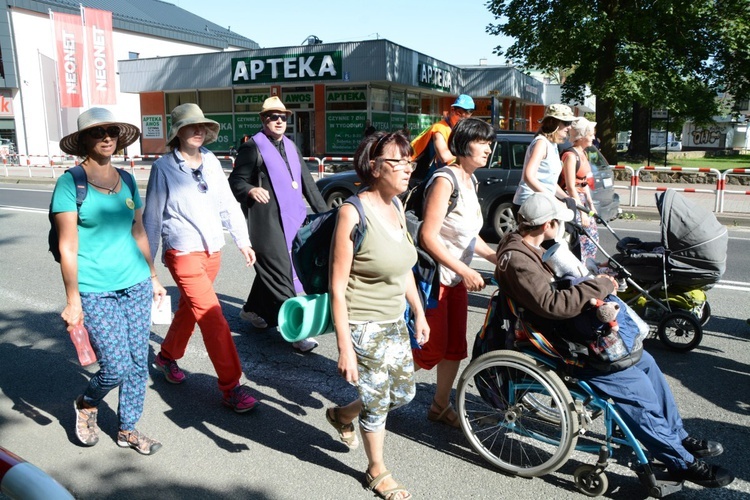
(80, 338)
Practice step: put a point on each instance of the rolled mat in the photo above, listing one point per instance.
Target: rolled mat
(304, 317)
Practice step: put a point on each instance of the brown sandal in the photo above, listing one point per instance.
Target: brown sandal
(447, 415)
(351, 441)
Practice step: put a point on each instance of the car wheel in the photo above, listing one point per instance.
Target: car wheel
(336, 198)
(503, 221)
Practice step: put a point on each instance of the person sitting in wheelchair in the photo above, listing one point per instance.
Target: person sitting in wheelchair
(640, 391)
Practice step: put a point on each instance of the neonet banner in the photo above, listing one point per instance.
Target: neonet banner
(69, 45)
(100, 60)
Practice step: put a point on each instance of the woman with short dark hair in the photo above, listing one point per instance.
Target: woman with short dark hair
(452, 239)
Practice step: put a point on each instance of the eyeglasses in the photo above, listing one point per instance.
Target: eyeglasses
(198, 176)
(112, 131)
(401, 164)
(275, 117)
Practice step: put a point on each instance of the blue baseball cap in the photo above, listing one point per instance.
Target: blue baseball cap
(464, 102)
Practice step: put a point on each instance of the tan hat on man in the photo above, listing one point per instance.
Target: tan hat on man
(190, 114)
(560, 112)
(542, 207)
(274, 104)
(98, 117)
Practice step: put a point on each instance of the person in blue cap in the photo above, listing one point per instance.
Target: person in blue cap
(433, 142)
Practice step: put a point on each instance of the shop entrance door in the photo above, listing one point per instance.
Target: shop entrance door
(303, 131)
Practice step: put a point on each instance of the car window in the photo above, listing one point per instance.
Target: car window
(496, 159)
(518, 154)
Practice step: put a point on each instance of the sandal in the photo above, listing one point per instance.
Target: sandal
(447, 415)
(389, 494)
(351, 441)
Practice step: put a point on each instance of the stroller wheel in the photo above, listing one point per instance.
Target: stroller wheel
(705, 314)
(680, 331)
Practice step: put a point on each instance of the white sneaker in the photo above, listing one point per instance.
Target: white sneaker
(305, 345)
(253, 318)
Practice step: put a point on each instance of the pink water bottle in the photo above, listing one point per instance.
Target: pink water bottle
(80, 338)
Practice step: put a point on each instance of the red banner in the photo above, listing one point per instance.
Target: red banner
(100, 59)
(69, 43)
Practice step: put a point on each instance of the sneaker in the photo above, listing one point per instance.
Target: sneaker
(240, 400)
(704, 474)
(170, 369)
(87, 431)
(702, 448)
(305, 345)
(253, 318)
(138, 441)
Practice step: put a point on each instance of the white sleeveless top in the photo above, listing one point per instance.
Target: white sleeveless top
(547, 174)
(460, 228)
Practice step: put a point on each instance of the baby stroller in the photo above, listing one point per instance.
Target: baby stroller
(668, 279)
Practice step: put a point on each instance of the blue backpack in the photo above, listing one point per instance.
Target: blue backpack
(311, 248)
(81, 183)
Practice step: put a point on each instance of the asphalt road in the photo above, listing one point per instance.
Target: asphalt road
(285, 449)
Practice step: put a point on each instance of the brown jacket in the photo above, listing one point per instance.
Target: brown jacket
(523, 276)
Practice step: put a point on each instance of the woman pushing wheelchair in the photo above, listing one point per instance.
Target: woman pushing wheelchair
(640, 392)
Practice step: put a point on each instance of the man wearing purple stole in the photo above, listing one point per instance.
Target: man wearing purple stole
(271, 181)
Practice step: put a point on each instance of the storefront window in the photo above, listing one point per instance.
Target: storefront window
(250, 101)
(215, 101)
(398, 101)
(346, 98)
(174, 99)
(379, 99)
(412, 103)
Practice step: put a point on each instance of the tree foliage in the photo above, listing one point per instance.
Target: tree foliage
(653, 53)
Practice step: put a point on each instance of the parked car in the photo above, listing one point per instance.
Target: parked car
(670, 146)
(497, 183)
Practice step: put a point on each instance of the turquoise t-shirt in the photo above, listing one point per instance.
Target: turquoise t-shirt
(108, 256)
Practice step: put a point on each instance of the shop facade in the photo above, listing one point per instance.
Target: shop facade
(333, 90)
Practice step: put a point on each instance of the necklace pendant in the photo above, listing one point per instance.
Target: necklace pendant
(295, 185)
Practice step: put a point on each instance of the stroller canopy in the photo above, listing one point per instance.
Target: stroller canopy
(696, 240)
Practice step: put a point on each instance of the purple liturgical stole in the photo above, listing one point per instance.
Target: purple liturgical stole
(287, 186)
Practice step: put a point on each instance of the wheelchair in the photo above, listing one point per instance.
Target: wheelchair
(523, 413)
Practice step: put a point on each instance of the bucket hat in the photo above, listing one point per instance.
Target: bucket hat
(464, 102)
(560, 112)
(542, 207)
(274, 104)
(94, 117)
(190, 114)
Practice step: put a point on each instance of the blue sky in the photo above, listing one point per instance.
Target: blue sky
(452, 31)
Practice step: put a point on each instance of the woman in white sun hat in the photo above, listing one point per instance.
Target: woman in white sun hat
(108, 273)
(542, 165)
(188, 204)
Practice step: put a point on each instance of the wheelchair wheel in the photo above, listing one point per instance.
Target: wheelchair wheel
(588, 484)
(680, 331)
(517, 413)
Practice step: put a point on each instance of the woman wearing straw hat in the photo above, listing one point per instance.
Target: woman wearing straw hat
(542, 165)
(109, 275)
(188, 203)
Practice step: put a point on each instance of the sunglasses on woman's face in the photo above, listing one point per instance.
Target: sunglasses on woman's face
(99, 132)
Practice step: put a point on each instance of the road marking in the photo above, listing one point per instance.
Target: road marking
(24, 209)
(745, 288)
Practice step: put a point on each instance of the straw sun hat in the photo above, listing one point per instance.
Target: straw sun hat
(95, 117)
(190, 114)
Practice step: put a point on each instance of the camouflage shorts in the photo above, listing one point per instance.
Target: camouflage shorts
(386, 370)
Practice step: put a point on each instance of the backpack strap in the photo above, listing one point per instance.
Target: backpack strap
(453, 199)
(358, 231)
(80, 182)
(127, 179)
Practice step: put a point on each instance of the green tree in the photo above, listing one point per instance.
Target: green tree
(637, 54)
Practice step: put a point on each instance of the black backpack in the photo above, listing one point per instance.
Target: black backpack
(311, 248)
(79, 179)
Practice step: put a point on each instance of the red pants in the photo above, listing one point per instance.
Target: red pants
(194, 274)
(447, 328)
